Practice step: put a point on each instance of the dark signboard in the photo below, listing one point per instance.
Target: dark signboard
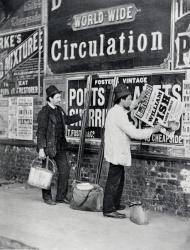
(19, 14)
(171, 84)
(21, 63)
(107, 35)
(182, 42)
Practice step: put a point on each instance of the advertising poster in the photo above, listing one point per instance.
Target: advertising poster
(19, 14)
(107, 35)
(186, 116)
(12, 113)
(160, 108)
(98, 108)
(3, 118)
(21, 60)
(169, 85)
(182, 35)
(20, 118)
(25, 118)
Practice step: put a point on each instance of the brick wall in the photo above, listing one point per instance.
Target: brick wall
(156, 183)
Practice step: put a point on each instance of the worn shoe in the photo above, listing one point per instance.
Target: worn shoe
(65, 200)
(115, 215)
(50, 202)
(121, 207)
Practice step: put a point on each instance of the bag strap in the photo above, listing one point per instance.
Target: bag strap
(85, 199)
(47, 163)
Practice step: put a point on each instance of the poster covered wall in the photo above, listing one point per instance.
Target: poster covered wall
(170, 84)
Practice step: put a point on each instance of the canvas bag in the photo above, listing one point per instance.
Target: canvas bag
(87, 197)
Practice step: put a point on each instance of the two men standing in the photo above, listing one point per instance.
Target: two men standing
(51, 142)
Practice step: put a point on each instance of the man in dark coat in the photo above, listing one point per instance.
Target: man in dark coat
(51, 142)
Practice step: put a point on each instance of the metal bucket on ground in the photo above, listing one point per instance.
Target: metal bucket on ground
(41, 177)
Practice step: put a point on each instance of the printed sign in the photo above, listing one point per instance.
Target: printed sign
(25, 118)
(185, 183)
(102, 35)
(183, 50)
(3, 118)
(109, 16)
(170, 84)
(12, 114)
(98, 107)
(21, 60)
(182, 42)
(186, 116)
(20, 112)
(160, 108)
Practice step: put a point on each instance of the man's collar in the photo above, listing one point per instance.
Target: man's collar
(52, 106)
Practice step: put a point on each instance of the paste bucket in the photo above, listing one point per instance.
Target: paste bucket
(138, 214)
(41, 177)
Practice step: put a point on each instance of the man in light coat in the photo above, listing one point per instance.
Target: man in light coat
(118, 131)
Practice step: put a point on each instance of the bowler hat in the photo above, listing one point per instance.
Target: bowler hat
(121, 90)
(52, 90)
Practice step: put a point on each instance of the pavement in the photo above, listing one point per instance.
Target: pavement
(26, 219)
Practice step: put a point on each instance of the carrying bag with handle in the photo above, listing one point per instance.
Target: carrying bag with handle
(87, 197)
(41, 177)
(138, 214)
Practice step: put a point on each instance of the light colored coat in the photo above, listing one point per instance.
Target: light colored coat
(118, 131)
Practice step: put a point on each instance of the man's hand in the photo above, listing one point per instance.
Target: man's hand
(42, 154)
(157, 128)
(135, 103)
(142, 96)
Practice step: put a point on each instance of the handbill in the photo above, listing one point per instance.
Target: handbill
(160, 108)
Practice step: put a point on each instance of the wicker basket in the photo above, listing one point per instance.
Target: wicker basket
(41, 177)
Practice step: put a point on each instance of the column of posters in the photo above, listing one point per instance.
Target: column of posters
(186, 116)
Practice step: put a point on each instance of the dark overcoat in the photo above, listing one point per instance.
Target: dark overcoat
(46, 134)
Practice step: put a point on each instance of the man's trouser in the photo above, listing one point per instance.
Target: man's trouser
(114, 188)
(63, 170)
